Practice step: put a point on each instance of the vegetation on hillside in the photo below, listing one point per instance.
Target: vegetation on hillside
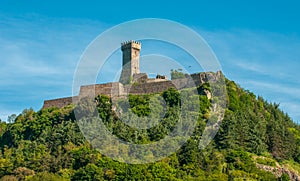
(48, 144)
(177, 74)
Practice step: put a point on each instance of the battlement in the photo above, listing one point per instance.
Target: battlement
(130, 41)
(131, 44)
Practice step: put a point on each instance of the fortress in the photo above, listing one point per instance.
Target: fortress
(133, 82)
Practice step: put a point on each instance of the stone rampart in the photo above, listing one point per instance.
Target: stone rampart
(148, 88)
(60, 102)
(116, 89)
(110, 89)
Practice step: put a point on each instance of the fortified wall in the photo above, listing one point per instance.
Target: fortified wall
(134, 82)
(60, 102)
(117, 89)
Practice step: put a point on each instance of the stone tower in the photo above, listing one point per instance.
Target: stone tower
(131, 60)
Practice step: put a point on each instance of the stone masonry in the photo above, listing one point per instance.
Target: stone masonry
(131, 60)
(134, 82)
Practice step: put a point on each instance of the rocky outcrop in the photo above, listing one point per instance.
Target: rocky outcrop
(279, 170)
(200, 78)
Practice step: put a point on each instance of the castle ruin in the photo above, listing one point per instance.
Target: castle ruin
(133, 82)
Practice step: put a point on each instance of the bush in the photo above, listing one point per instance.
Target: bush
(45, 176)
(266, 161)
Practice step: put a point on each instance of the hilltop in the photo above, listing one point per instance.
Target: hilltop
(256, 141)
(68, 138)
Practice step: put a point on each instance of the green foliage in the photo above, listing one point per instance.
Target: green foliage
(177, 74)
(172, 97)
(104, 106)
(45, 176)
(265, 161)
(139, 104)
(11, 118)
(292, 165)
(256, 126)
(89, 172)
(285, 177)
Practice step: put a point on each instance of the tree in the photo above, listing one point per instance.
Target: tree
(45, 176)
(89, 172)
(11, 118)
(177, 74)
(172, 97)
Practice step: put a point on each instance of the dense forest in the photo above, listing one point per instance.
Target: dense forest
(256, 141)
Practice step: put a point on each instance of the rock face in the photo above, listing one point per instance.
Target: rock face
(278, 171)
(201, 78)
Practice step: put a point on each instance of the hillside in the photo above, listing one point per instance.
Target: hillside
(256, 141)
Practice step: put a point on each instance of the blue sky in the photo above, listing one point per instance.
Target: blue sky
(256, 42)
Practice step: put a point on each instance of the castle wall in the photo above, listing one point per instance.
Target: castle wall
(184, 83)
(156, 80)
(109, 89)
(148, 88)
(116, 89)
(60, 102)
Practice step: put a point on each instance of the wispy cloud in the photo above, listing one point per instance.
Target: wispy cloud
(38, 59)
(266, 63)
(290, 91)
(260, 51)
(243, 64)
